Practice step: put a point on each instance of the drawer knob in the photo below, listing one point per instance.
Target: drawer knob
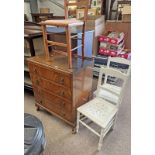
(41, 102)
(35, 70)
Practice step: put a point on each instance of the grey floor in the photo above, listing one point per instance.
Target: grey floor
(61, 141)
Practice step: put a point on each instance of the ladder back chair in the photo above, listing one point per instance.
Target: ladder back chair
(67, 24)
(99, 110)
(115, 63)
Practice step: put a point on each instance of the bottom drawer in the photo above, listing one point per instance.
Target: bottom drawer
(54, 104)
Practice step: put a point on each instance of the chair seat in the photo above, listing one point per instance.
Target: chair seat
(63, 23)
(108, 95)
(99, 111)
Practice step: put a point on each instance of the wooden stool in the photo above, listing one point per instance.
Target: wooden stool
(67, 24)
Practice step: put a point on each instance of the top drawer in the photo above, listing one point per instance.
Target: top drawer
(61, 78)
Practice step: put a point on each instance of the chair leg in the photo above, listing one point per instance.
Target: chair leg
(112, 128)
(69, 46)
(45, 42)
(101, 139)
(83, 41)
(77, 123)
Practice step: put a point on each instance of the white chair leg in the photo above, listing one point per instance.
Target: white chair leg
(77, 122)
(101, 139)
(113, 126)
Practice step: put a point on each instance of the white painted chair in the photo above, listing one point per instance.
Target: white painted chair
(102, 89)
(100, 111)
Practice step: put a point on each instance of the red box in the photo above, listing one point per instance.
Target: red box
(112, 38)
(104, 39)
(107, 52)
(125, 56)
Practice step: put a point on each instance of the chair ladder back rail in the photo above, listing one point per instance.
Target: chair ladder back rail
(113, 92)
(79, 3)
(45, 41)
(119, 60)
(115, 73)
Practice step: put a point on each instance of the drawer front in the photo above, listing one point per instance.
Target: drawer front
(58, 90)
(57, 105)
(51, 74)
(52, 87)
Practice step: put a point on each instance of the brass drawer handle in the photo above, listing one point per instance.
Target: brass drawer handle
(37, 82)
(35, 71)
(41, 102)
(62, 93)
(62, 80)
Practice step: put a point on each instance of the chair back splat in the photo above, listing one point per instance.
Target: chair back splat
(107, 90)
(119, 60)
(85, 4)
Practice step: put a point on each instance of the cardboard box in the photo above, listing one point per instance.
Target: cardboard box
(120, 26)
(126, 17)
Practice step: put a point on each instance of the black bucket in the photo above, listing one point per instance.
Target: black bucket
(34, 137)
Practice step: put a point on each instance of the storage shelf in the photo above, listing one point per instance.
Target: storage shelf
(26, 69)
(27, 81)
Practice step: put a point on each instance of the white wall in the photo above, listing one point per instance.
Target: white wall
(53, 8)
(27, 10)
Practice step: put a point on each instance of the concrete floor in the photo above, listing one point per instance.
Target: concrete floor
(61, 141)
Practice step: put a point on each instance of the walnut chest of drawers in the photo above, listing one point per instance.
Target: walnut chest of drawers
(60, 90)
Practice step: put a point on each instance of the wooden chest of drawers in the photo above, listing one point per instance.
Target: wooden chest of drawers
(58, 89)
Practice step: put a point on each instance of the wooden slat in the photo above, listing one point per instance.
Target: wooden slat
(77, 38)
(74, 36)
(89, 128)
(56, 43)
(59, 52)
(76, 47)
(81, 4)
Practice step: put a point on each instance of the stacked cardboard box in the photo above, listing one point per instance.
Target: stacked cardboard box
(112, 44)
(113, 26)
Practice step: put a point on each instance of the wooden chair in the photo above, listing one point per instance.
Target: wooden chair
(67, 24)
(99, 110)
(113, 62)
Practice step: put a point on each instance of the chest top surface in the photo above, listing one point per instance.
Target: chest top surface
(59, 62)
